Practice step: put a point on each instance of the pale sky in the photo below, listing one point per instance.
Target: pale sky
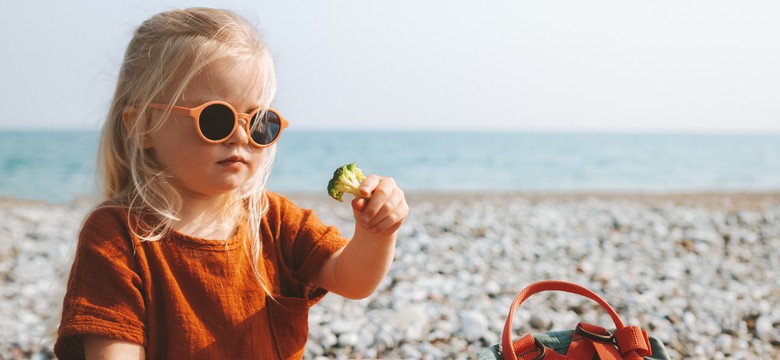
(692, 66)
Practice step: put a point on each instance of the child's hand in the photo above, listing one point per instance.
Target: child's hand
(356, 270)
(383, 210)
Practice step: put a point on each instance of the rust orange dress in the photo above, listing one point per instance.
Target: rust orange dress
(189, 298)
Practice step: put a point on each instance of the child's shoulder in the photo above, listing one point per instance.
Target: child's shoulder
(279, 206)
(278, 201)
(107, 215)
(107, 210)
(105, 223)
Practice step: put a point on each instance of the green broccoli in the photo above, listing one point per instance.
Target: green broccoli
(346, 179)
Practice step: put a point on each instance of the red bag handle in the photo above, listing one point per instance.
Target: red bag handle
(550, 285)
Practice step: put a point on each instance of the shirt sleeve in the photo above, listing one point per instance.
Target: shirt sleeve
(306, 242)
(104, 291)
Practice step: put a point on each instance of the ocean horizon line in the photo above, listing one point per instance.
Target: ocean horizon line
(472, 194)
(57, 165)
(488, 131)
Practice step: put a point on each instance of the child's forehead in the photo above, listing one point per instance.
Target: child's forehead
(228, 80)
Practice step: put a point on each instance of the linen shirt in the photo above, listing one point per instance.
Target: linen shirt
(185, 297)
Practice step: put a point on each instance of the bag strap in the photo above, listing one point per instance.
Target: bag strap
(549, 285)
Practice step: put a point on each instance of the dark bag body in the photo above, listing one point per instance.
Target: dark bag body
(585, 342)
(559, 342)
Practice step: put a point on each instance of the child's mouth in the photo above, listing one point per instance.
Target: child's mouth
(233, 161)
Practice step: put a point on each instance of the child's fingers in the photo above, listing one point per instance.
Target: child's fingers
(369, 184)
(390, 223)
(366, 187)
(393, 220)
(385, 209)
(358, 204)
(390, 206)
(379, 196)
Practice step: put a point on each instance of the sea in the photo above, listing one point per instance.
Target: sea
(59, 166)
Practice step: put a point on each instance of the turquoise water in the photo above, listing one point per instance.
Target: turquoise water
(58, 166)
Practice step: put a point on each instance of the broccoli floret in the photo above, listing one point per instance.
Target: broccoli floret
(346, 179)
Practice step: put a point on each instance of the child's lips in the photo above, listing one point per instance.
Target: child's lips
(233, 160)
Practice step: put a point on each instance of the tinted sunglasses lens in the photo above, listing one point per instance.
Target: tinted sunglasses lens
(265, 128)
(216, 122)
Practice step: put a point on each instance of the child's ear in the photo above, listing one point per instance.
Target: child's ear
(129, 117)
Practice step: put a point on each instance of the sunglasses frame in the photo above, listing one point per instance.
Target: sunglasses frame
(194, 114)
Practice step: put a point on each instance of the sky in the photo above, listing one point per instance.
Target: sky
(593, 66)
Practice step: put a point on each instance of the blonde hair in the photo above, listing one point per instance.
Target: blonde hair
(166, 52)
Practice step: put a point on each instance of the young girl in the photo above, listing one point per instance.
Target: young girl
(189, 256)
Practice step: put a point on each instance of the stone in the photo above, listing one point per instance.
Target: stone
(473, 325)
(765, 330)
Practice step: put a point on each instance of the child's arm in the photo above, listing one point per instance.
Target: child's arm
(356, 270)
(98, 347)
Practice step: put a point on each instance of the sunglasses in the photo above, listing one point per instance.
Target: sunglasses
(216, 121)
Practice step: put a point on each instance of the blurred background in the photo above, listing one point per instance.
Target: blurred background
(510, 124)
(443, 95)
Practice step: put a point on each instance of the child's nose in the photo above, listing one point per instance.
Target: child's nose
(240, 136)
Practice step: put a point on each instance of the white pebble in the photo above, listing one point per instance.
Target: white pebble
(473, 325)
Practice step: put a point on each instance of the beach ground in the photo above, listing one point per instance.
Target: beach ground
(699, 271)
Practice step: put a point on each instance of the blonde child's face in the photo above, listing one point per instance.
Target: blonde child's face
(199, 168)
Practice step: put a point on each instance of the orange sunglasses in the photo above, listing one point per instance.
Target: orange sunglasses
(216, 121)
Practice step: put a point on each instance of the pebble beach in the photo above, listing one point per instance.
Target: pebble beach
(700, 272)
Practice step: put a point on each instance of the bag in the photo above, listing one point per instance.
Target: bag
(585, 342)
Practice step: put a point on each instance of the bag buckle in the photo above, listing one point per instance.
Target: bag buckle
(542, 349)
(608, 338)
